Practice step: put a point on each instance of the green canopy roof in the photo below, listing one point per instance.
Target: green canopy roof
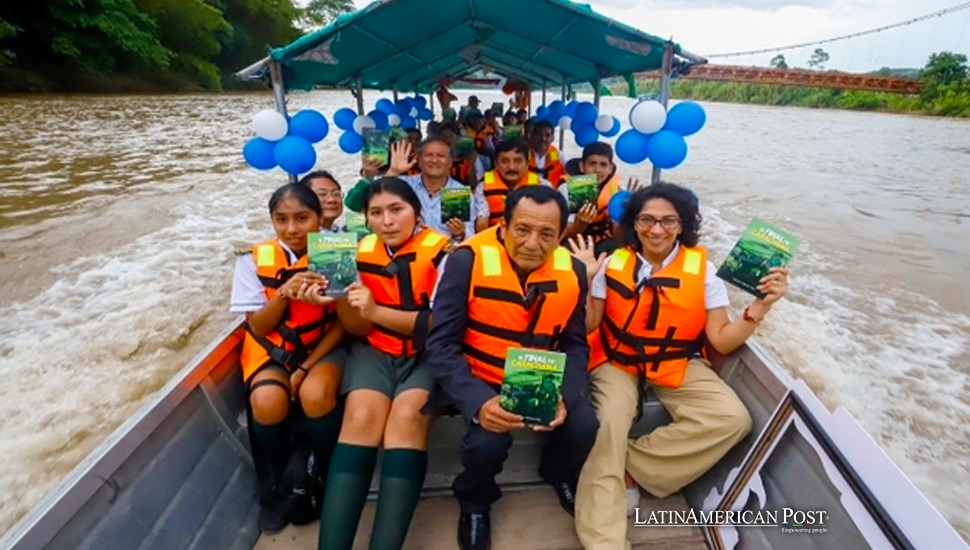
(411, 44)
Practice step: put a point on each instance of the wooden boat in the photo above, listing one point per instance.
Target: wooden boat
(179, 474)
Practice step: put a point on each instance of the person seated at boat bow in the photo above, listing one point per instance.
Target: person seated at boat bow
(386, 379)
(291, 348)
(511, 286)
(511, 172)
(652, 305)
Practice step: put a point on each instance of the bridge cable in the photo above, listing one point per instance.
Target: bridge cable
(940, 13)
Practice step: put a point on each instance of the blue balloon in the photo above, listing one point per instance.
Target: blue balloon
(571, 108)
(685, 118)
(295, 155)
(351, 142)
(403, 107)
(615, 129)
(408, 122)
(344, 118)
(309, 125)
(258, 153)
(419, 101)
(557, 109)
(618, 204)
(585, 134)
(586, 113)
(384, 105)
(542, 112)
(379, 118)
(631, 147)
(666, 149)
(425, 114)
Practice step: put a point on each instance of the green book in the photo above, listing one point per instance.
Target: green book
(533, 384)
(464, 147)
(376, 145)
(582, 189)
(456, 203)
(357, 223)
(334, 255)
(398, 134)
(761, 247)
(512, 132)
(498, 108)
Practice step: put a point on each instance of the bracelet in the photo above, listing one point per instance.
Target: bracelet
(747, 317)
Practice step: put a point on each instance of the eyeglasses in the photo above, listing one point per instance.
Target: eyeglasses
(335, 194)
(667, 222)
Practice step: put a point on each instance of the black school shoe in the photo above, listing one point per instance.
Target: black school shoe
(475, 532)
(567, 496)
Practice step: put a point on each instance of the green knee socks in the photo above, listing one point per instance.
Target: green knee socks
(322, 433)
(402, 474)
(351, 469)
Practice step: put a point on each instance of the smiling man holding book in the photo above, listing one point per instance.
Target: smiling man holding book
(507, 288)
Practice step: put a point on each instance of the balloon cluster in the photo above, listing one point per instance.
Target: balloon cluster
(658, 134)
(287, 144)
(403, 113)
(582, 118)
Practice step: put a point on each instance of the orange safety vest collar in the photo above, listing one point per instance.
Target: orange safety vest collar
(495, 190)
(553, 170)
(502, 315)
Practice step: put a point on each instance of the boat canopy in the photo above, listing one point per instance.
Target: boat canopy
(412, 45)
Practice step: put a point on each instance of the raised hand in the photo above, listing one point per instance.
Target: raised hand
(585, 251)
(401, 160)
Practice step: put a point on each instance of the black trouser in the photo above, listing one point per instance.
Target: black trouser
(483, 452)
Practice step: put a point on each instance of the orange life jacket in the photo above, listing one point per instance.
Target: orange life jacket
(404, 282)
(501, 315)
(459, 169)
(302, 325)
(553, 170)
(602, 227)
(496, 190)
(414, 169)
(652, 327)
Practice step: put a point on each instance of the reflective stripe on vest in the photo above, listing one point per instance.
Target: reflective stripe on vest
(495, 191)
(302, 325)
(501, 315)
(404, 282)
(652, 327)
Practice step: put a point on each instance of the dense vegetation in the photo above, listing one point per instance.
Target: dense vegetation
(117, 45)
(944, 84)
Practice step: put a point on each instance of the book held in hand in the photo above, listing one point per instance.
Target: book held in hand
(357, 223)
(376, 145)
(533, 384)
(334, 255)
(512, 132)
(761, 247)
(464, 147)
(498, 108)
(456, 203)
(582, 189)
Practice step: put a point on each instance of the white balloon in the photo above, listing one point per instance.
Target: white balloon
(393, 119)
(648, 117)
(270, 125)
(603, 123)
(565, 122)
(414, 112)
(363, 121)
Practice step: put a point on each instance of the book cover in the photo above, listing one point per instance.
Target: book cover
(582, 189)
(761, 247)
(533, 384)
(512, 132)
(357, 223)
(376, 145)
(456, 203)
(334, 255)
(398, 134)
(498, 108)
(464, 147)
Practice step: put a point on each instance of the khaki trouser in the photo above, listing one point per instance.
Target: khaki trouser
(708, 419)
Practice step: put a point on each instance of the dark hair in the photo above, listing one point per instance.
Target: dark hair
(302, 193)
(395, 186)
(508, 115)
(451, 126)
(317, 174)
(436, 139)
(598, 148)
(544, 124)
(540, 194)
(684, 201)
(414, 131)
(521, 112)
(507, 145)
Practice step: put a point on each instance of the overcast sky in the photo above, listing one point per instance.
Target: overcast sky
(715, 26)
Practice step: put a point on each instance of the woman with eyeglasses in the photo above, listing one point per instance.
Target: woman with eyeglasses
(331, 198)
(652, 307)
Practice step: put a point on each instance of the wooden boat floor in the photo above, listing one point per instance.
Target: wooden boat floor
(528, 519)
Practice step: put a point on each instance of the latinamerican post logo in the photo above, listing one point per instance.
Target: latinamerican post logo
(788, 519)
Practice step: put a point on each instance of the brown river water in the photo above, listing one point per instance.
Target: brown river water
(118, 217)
